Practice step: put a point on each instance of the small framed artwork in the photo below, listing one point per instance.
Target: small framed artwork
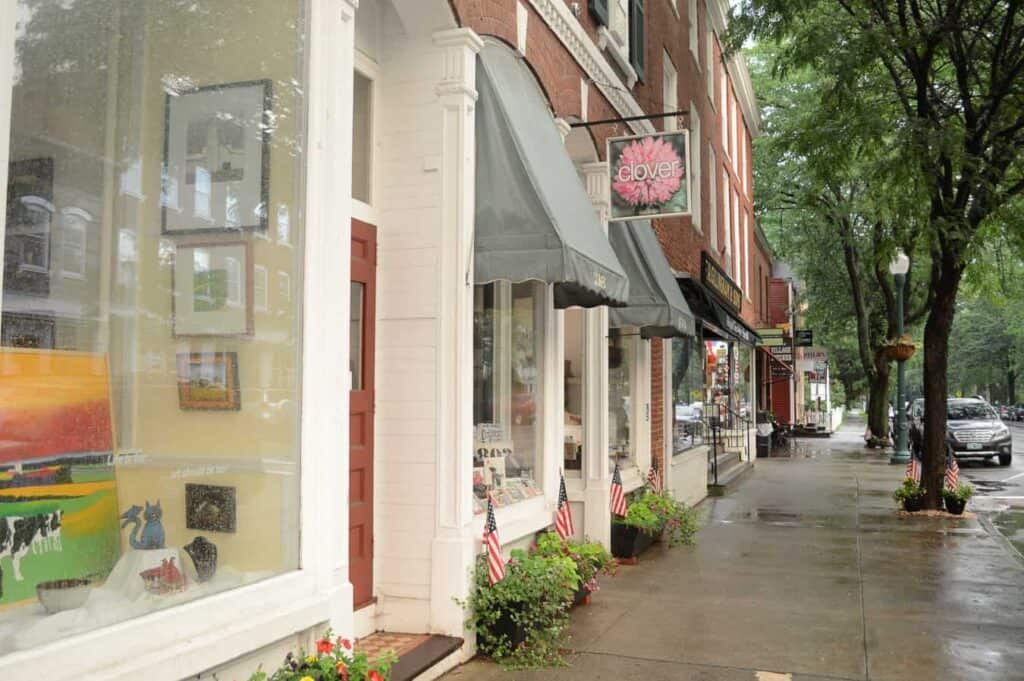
(213, 289)
(209, 508)
(208, 381)
(216, 173)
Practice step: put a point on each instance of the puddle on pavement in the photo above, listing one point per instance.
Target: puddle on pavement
(986, 486)
(1011, 525)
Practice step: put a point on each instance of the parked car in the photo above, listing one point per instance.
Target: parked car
(974, 430)
(1020, 412)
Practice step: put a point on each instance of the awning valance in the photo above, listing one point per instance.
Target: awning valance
(713, 314)
(655, 304)
(533, 217)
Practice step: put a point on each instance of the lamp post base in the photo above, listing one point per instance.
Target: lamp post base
(899, 456)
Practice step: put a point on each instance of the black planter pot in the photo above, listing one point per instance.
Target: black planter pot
(956, 506)
(913, 504)
(629, 541)
(581, 594)
(510, 629)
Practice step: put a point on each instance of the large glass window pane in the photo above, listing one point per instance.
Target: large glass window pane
(687, 394)
(575, 372)
(149, 381)
(621, 379)
(718, 385)
(508, 337)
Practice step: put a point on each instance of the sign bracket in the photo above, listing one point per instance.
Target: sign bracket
(630, 119)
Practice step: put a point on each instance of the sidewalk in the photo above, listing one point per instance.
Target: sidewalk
(806, 570)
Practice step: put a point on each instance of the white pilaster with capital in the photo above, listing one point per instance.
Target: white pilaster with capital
(454, 545)
(597, 516)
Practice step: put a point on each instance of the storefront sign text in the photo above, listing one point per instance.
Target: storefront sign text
(715, 278)
(650, 175)
(804, 338)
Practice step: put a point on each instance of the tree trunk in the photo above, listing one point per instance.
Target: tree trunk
(878, 398)
(936, 360)
(1011, 385)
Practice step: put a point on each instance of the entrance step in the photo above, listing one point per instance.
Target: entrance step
(728, 478)
(420, 656)
(726, 459)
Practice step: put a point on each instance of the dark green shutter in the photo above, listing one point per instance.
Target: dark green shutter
(636, 36)
(599, 10)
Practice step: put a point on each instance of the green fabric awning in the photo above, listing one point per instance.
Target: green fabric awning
(534, 220)
(655, 304)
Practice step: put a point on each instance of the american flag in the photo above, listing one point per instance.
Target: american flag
(495, 565)
(618, 496)
(563, 516)
(654, 479)
(914, 469)
(952, 474)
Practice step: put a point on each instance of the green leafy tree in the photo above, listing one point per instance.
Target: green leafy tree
(953, 72)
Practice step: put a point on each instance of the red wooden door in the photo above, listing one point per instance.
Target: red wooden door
(361, 408)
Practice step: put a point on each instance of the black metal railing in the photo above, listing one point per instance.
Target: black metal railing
(726, 430)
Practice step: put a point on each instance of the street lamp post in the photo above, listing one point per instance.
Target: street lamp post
(899, 267)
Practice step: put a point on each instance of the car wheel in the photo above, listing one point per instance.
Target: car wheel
(1005, 459)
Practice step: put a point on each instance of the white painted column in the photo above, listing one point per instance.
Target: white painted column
(8, 18)
(325, 376)
(597, 476)
(454, 546)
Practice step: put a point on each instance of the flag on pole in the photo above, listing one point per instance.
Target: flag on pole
(952, 474)
(618, 500)
(914, 469)
(495, 565)
(654, 479)
(563, 516)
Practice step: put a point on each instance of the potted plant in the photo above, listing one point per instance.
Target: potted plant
(334, 660)
(910, 495)
(591, 559)
(648, 516)
(521, 620)
(956, 499)
(899, 349)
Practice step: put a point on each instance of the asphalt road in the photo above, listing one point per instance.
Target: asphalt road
(998, 487)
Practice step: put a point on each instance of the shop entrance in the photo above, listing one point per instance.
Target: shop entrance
(361, 411)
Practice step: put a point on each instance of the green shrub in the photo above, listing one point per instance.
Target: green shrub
(908, 490)
(590, 557)
(652, 513)
(963, 492)
(535, 593)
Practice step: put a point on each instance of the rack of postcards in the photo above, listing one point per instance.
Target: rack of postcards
(497, 471)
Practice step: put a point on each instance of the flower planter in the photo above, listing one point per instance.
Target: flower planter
(582, 595)
(956, 506)
(514, 631)
(900, 352)
(629, 541)
(913, 504)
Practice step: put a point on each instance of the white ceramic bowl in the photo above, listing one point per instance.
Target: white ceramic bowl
(63, 594)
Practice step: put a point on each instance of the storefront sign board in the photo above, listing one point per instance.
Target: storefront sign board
(804, 338)
(715, 278)
(649, 175)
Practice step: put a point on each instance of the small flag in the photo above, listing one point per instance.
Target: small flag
(952, 474)
(914, 469)
(495, 565)
(618, 496)
(563, 516)
(654, 479)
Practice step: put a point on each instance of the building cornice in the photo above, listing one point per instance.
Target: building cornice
(718, 13)
(559, 18)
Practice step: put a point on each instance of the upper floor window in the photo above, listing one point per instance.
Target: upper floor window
(669, 90)
(73, 243)
(691, 20)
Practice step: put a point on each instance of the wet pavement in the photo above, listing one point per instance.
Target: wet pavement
(807, 572)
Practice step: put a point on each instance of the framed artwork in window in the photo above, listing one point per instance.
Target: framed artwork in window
(212, 289)
(208, 381)
(216, 173)
(19, 330)
(29, 222)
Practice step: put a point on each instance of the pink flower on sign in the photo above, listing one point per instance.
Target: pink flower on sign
(649, 172)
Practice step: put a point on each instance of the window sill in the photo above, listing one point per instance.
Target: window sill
(518, 520)
(607, 42)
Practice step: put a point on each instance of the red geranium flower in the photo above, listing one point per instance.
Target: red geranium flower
(324, 646)
(345, 643)
(374, 676)
(343, 671)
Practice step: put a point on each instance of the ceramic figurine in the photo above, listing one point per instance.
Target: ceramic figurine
(163, 579)
(152, 536)
(204, 556)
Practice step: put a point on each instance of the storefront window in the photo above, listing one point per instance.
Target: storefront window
(688, 429)
(150, 445)
(742, 381)
(718, 387)
(575, 337)
(508, 342)
(621, 379)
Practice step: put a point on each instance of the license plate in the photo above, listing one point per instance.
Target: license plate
(974, 446)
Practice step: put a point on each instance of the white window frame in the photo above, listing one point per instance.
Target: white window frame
(74, 220)
(733, 153)
(669, 90)
(674, 5)
(260, 282)
(696, 143)
(746, 253)
(369, 69)
(187, 639)
(726, 208)
(713, 198)
(724, 111)
(693, 29)
(736, 236)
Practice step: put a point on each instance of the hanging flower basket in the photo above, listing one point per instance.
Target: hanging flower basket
(900, 349)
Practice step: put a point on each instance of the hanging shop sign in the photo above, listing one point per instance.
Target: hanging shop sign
(784, 353)
(716, 279)
(804, 338)
(649, 175)
(773, 337)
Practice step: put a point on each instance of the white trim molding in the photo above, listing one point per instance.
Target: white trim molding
(558, 16)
